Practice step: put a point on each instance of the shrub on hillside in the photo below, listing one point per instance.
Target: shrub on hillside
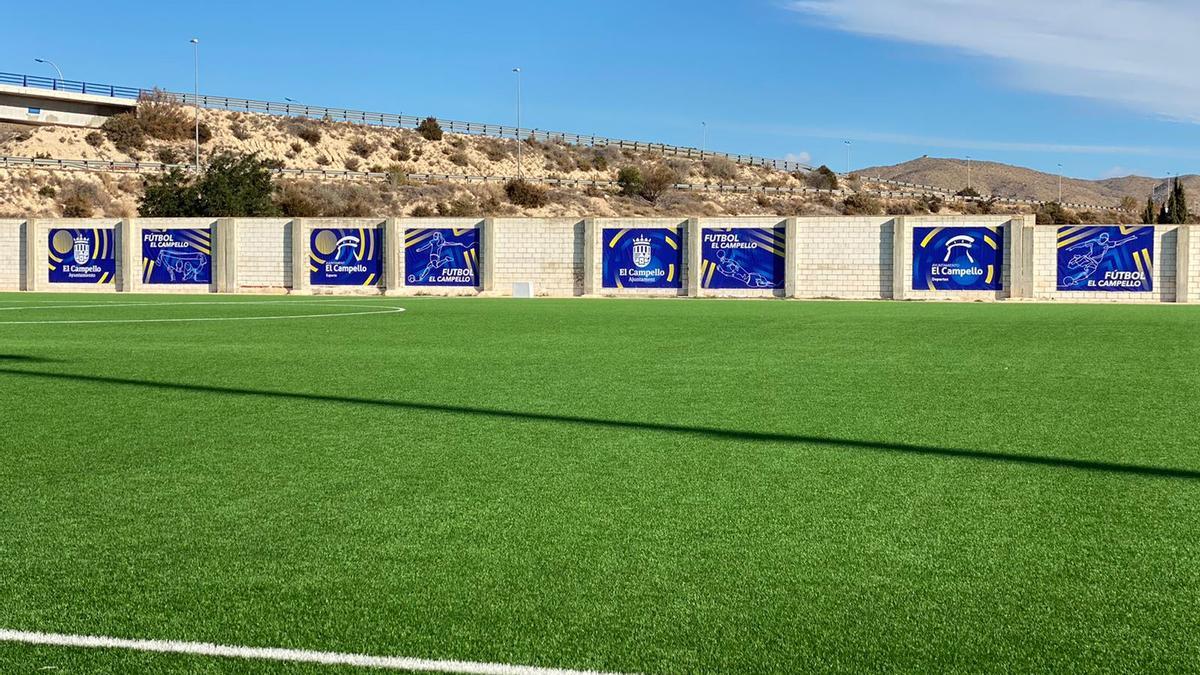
(629, 178)
(47, 191)
(162, 117)
(307, 130)
(721, 168)
(967, 192)
(822, 178)
(80, 199)
(402, 152)
(321, 199)
(931, 203)
(862, 204)
(430, 130)
(657, 180)
(421, 211)
(125, 132)
(351, 164)
(362, 147)
(523, 193)
(1053, 213)
(460, 158)
(230, 186)
(239, 131)
(76, 206)
(168, 155)
(94, 139)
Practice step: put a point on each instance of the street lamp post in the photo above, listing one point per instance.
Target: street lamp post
(703, 138)
(1060, 184)
(518, 72)
(968, 172)
(196, 95)
(52, 65)
(847, 157)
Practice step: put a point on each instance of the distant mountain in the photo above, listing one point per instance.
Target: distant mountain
(1004, 180)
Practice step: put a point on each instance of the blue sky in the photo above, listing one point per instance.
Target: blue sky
(1028, 82)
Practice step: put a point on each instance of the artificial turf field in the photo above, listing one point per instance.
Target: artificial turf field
(623, 485)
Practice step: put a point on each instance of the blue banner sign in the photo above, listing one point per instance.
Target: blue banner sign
(344, 257)
(441, 257)
(1106, 258)
(957, 258)
(642, 258)
(177, 256)
(82, 256)
(742, 257)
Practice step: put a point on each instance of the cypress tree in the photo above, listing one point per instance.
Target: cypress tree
(1179, 211)
(1148, 215)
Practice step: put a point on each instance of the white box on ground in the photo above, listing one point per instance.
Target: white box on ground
(523, 289)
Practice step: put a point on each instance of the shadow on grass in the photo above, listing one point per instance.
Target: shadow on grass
(705, 432)
(25, 358)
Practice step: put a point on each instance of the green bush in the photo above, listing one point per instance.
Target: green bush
(94, 139)
(47, 191)
(630, 180)
(162, 117)
(967, 192)
(308, 131)
(168, 155)
(421, 211)
(430, 130)
(230, 186)
(76, 206)
(1053, 213)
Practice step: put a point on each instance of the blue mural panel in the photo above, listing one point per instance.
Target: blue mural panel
(177, 256)
(742, 257)
(642, 257)
(1106, 258)
(441, 257)
(83, 256)
(345, 256)
(957, 258)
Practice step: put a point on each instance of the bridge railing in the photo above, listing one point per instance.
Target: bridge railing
(73, 86)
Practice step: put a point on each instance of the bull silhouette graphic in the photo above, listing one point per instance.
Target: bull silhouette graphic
(188, 264)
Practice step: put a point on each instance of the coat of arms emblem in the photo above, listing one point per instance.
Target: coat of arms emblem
(641, 251)
(82, 250)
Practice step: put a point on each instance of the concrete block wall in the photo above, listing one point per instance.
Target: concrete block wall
(827, 257)
(264, 254)
(547, 252)
(1045, 269)
(12, 255)
(595, 244)
(845, 257)
(903, 259)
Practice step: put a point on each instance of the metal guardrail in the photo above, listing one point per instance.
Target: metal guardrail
(72, 86)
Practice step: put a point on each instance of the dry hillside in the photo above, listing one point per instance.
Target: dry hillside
(1003, 180)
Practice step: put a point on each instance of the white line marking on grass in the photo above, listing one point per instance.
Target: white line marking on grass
(387, 309)
(280, 654)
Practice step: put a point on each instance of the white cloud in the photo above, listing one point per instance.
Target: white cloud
(1135, 53)
(801, 157)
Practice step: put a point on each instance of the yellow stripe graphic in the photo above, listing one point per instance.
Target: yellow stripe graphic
(930, 236)
(990, 274)
(671, 272)
(990, 242)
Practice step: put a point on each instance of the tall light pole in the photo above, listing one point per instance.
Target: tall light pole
(703, 138)
(968, 172)
(52, 65)
(1060, 184)
(847, 157)
(196, 95)
(519, 141)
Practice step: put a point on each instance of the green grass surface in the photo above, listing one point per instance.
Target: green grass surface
(651, 486)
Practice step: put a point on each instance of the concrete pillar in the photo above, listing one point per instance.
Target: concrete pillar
(1184, 263)
(393, 257)
(225, 276)
(590, 261)
(129, 254)
(35, 265)
(487, 268)
(1014, 237)
(791, 251)
(901, 232)
(300, 257)
(693, 257)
